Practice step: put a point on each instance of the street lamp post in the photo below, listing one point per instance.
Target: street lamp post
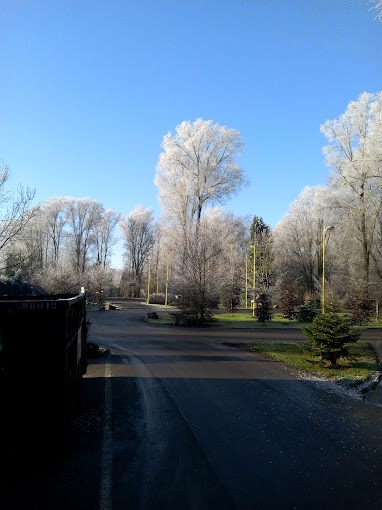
(165, 302)
(254, 278)
(246, 282)
(329, 227)
(148, 285)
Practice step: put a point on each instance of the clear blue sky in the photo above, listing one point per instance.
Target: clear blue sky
(89, 88)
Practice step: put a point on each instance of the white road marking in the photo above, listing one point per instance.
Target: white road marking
(105, 497)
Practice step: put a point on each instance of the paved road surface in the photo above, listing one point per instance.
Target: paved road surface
(174, 418)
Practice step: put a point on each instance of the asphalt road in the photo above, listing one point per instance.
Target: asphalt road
(174, 418)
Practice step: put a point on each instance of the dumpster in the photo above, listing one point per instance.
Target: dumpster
(42, 361)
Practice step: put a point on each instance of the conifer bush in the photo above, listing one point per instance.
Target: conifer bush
(230, 296)
(288, 302)
(361, 306)
(306, 312)
(263, 310)
(328, 336)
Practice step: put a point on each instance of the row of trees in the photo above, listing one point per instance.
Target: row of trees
(199, 249)
(208, 248)
(63, 244)
(351, 202)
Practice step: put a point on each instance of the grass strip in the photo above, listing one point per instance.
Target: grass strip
(360, 366)
(163, 320)
(245, 320)
(236, 321)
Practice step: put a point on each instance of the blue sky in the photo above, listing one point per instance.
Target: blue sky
(89, 88)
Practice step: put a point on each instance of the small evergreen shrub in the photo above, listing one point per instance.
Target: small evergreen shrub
(328, 336)
(263, 310)
(361, 306)
(306, 312)
(230, 296)
(288, 302)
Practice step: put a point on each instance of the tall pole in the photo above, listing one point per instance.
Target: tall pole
(148, 285)
(254, 278)
(329, 227)
(246, 282)
(165, 301)
(254, 270)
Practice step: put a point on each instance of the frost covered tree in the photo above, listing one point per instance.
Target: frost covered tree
(16, 209)
(98, 280)
(298, 239)
(354, 153)
(44, 240)
(352, 203)
(377, 7)
(138, 230)
(84, 214)
(66, 236)
(54, 216)
(104, 235)
(197, 167)
(57, 279)
(208, 262)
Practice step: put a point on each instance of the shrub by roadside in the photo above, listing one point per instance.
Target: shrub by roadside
(360, 366)
(329, 335)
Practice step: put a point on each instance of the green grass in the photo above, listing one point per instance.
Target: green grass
(236, 321)
(360, 366)
(245, 320)
(164, 320)
(374, 323)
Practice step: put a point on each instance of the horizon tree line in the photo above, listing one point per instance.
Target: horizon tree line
(66, 241)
